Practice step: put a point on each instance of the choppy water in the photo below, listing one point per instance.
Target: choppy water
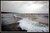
(32, 26)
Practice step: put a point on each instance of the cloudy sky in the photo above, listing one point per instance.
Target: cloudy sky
(25, 6)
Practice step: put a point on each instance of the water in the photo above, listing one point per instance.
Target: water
(32, 26)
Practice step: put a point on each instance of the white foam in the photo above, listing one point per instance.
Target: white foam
(27, 24)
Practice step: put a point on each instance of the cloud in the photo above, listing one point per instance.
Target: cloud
(25, 6)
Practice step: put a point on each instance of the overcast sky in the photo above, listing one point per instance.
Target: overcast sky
(25, 6)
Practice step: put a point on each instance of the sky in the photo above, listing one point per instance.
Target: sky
(25, 6)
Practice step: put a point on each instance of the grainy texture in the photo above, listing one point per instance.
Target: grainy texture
(10, 22)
